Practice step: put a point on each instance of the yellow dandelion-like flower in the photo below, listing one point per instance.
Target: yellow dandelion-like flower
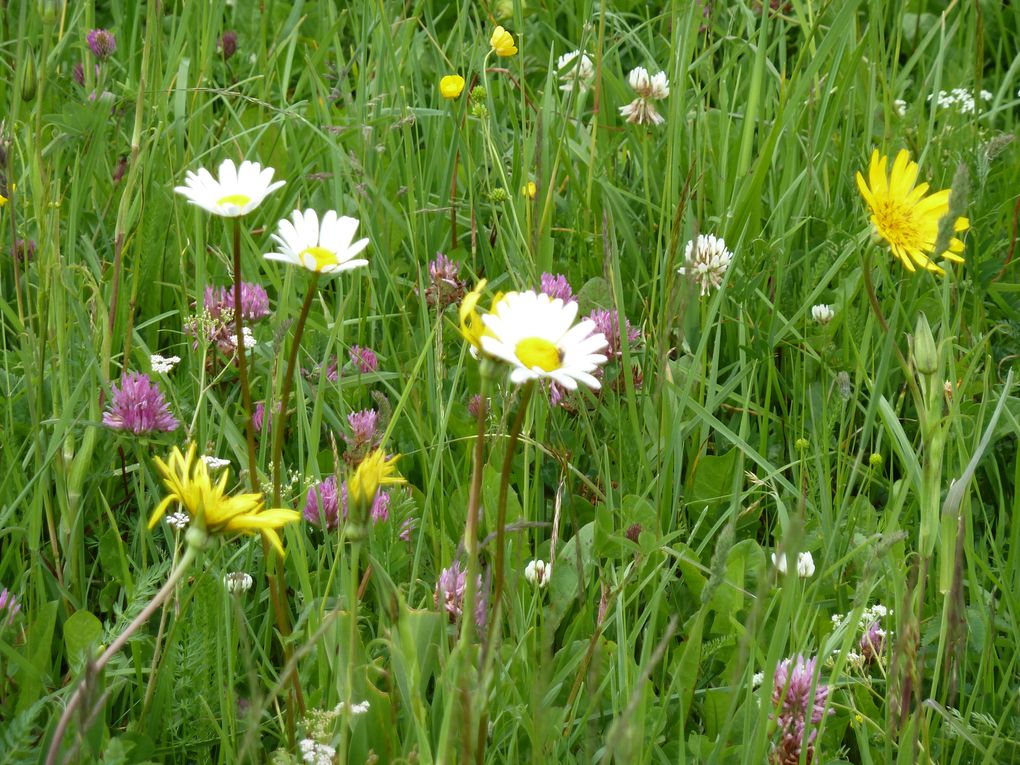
(503, 43)
(374, 471)
(529, 190)
(451, 86)
(210, 506)
(903, 216)
(471, 326)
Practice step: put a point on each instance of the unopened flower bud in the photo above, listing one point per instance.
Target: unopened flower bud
(925, 355)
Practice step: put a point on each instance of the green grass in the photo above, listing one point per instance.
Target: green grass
(736, 425)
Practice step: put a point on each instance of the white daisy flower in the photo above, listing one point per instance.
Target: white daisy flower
(237, 191)
(576, 71)
(822, 313)
(707, 261)
(537, 335)
(325, 248)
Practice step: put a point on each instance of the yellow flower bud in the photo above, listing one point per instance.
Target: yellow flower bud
(502, 43)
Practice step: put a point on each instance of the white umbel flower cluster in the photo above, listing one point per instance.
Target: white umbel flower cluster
(576, 71)
(649, 89)
(163, 364)
(707, 260)
(805, 564)
(249, 338)
(214, 463)
(959, 99)
(537, 572)
(822, 313)
(178, 520)
(314, 753)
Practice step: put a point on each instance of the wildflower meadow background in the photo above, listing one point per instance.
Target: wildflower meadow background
(515, 381)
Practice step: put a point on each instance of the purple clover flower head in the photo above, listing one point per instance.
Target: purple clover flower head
(556, 394)
(364, 428)
(364, 359)
(872, 643)
(791, 691)
(219, 302)
(9, 607)
(322, 505)
(259, 420)
(138, 406)
(78, 72)
(445, 286)
(477, 406)
(450, 590)
(791, 743)
(102, 43)
(557, 286)
(227, 44)
(608, 323)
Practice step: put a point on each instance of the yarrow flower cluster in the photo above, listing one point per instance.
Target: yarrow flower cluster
(137, 406)
(707, 261)
(796, 704)
(576, 71)
(450, 590)
(315, 753)
(163, 364)
(649, 89)
(959, 99)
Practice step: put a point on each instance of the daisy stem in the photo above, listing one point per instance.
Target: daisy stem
(242, 359)
(190, 553)
(504, 488)
(288, 381)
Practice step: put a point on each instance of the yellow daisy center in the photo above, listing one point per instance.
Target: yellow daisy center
(321, 256)
(538, 352)
(240, 200)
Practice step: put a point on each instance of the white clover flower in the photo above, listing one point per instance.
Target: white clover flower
(901, 107)
(235, 192)
(805, 564)
(178, 520)
(237, 582)
(757, 679)
(163, 364)
(642, 111)
(314, 753)
(537, 572)
(576, 71)
(214, 463)
(822, 313)
(707, 260)
(325, 248)
(537, 336)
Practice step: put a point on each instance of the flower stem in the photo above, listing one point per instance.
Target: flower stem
(504, 488)
(288, 381)
(242, 360)
(352, 607)
(190, 553)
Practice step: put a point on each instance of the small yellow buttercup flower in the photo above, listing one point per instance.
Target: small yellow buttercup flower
(451, 86)
(209, 505)
(503, 43)
(903, 216)
(529, 189)
(375, 470)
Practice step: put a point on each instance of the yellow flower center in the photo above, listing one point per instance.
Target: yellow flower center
(538, 352)
(321, 256)
(897, 224)
(239, 200)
